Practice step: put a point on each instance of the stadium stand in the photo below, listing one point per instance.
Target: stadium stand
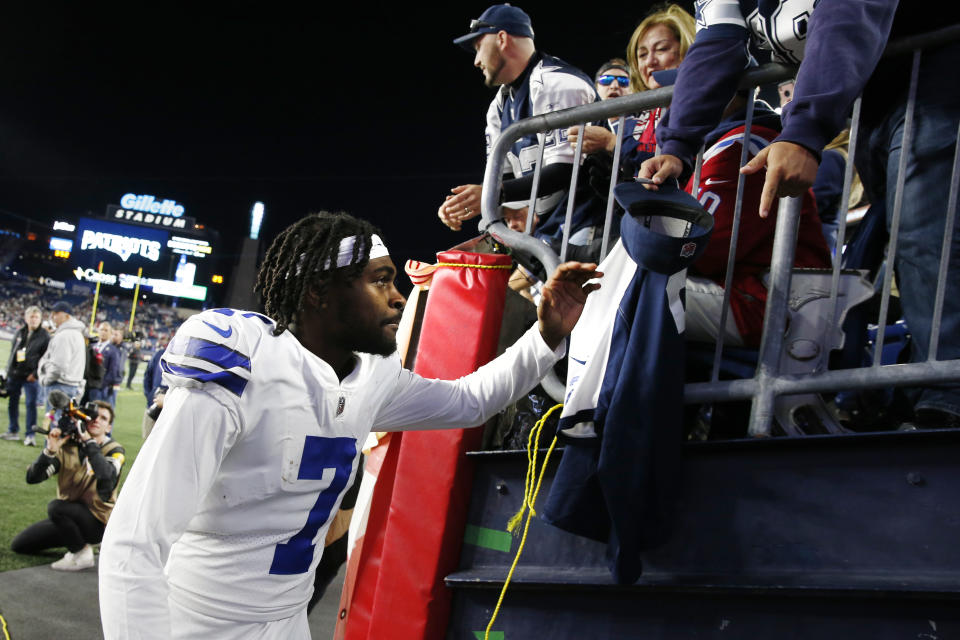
(151, 320)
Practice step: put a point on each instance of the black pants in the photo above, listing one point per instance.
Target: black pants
(70, 525)
(333, 558)
(336, 554)
(132, 372)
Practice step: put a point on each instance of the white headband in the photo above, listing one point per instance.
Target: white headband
(345, 252)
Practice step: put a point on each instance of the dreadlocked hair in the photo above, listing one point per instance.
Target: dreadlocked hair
(303, 257)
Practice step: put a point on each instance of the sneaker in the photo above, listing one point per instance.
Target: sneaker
(30, 441)
(78, 561)
(9, 435)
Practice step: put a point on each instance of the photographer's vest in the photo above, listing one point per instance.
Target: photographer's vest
(77, 483)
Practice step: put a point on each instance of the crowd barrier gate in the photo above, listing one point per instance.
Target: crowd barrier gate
(768, 382)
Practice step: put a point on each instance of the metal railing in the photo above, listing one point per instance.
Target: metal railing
(769, 382)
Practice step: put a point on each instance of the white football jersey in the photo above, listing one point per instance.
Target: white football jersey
(551, 85)
(781, 27)
(232, 494)
(590, 340)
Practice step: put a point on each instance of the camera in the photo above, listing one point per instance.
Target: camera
(72, 416)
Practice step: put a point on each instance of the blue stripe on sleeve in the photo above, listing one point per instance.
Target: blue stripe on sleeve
(214, 353)
(226, 379)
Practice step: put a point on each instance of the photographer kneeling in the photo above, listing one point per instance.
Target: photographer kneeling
(88, 463)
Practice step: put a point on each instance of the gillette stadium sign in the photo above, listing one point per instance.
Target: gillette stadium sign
(150, 210)
(149, 204)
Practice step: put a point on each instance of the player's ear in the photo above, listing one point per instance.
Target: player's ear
(312, 298)
(503, 38)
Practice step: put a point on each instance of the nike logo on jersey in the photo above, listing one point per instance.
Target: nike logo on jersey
(578, 361)
(221, 332)
(710, 181)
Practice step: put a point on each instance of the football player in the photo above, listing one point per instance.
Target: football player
(215, 533)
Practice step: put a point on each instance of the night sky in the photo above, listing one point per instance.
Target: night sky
(218, 105)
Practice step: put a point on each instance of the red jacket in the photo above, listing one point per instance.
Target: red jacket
(717, 193)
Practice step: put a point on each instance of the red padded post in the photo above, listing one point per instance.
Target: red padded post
(431, 489)
(360, 586)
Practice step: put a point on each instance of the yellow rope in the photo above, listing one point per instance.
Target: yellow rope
(6, 631)
(530, 491)
(474, 266)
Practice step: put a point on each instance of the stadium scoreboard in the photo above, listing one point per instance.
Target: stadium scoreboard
(148, 233)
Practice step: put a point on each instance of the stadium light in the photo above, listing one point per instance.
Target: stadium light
(256, 218)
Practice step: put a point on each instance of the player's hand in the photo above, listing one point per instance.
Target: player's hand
(791, 170)
(594, 138)
(562, 299)
(462, 205)
(660, 168)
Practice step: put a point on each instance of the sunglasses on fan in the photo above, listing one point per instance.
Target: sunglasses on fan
(606, 81)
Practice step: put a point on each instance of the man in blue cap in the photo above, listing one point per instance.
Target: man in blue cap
(530, 83)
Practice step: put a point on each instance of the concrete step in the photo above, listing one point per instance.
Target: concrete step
(840, 511)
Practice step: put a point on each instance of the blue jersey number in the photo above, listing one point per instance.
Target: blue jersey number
(319, 454)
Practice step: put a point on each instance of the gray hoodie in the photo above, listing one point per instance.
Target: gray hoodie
(66, 356)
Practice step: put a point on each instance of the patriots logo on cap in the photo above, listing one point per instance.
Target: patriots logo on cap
(688, 249)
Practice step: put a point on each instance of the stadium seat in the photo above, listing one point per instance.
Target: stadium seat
(811, 335)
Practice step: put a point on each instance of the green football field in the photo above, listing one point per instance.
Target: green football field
(22, 504)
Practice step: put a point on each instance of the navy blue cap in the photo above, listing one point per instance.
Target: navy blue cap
(62, 306)
(666, 77)
(499, 17)
(661, 247)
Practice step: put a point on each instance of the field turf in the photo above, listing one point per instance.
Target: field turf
(22, 504)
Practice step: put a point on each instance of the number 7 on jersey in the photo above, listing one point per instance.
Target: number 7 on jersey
(319, 454)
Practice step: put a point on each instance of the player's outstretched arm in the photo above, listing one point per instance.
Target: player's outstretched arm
(563, 298)
(419, 403)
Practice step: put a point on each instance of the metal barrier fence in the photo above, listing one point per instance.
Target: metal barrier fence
(769, 382)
